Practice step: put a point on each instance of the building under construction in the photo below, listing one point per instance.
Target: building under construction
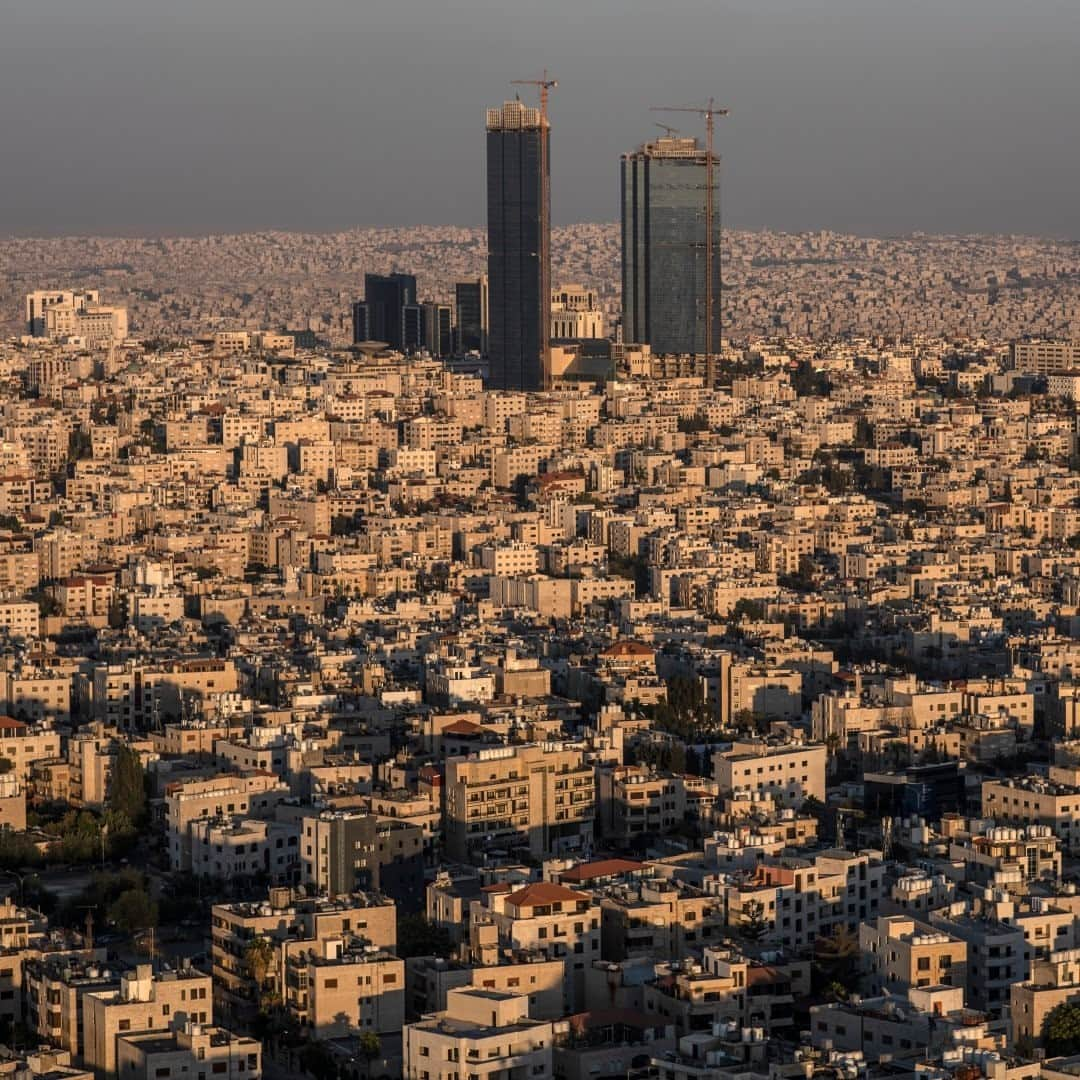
(519, 228)
(667, 250)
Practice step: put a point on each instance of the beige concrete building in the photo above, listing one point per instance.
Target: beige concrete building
(291, 923)
(790, 773)
(900, 953)
(536, 796)
(144, 1002)
(635, 800)
(541, 919)
(341, 985)
(238, 795)
(1036, 801)
(1053, 982)
(483, 1033)
(22, 745)
(189, 1051)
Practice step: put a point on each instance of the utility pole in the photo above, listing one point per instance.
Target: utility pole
(544, 85)
(709, 111)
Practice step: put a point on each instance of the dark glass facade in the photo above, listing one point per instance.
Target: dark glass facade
(438, 329)
(384, 315)
(471, 302)
(518, 217)
(361, 322)
(664, 263)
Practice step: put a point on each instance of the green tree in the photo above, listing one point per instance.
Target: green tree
(317, 1061)
(134, 911)
(127, 790)
(754, 925)
(418, 937)
(1061, 1031)
(836, 956)
(370, 1048)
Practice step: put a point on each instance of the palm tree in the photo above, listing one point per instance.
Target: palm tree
(259, 959)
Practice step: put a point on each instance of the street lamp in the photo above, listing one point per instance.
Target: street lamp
(20, 878)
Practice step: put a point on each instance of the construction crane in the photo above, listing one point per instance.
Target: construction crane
(544, 86)
(709, 111)
(668, 130)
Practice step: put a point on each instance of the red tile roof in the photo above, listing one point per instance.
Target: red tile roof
(544, 892)
(599, 869)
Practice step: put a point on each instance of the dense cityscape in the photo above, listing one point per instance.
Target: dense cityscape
(599, 652)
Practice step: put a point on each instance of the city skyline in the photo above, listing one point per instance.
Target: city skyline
(857, 118)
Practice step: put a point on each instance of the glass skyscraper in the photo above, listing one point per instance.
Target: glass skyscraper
(388, 312)
(518, 222)
(663, 246)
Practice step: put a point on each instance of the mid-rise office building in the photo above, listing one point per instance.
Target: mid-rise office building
(437, 328)
(664, 249)
(518, 227)
(471, 302)
(389, 312)
(575, 314)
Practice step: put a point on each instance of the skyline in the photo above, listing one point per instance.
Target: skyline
(204, 121)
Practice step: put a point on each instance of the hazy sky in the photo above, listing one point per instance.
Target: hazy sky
(872, 116)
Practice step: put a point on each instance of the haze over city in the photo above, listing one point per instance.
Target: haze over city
(539, 541)
(862, 116)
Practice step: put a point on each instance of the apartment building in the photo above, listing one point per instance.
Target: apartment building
(342, 851)
(900, 953)
(230, 849)
(239, 795)
(483, 1033)
(291, 923)
(537, 796)
(20, 618)
(23, 744)
(542, 919)
(635, 800)
(996, 949)
(693, 995)
(1053, 981)
(659, 918)
(789, 773)
(1036, 801)
(993, 857)
(37, 695)
(342, 984)
(53, 989)
(143, 1002)
(182, 1053)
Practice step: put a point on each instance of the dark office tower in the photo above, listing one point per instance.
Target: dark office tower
(387, 297)
(412, 328)
(438, 329)
(664, 185)
(361, 322)
(518, 230)
(471, 300)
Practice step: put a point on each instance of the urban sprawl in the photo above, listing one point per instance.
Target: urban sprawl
(426, 656)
